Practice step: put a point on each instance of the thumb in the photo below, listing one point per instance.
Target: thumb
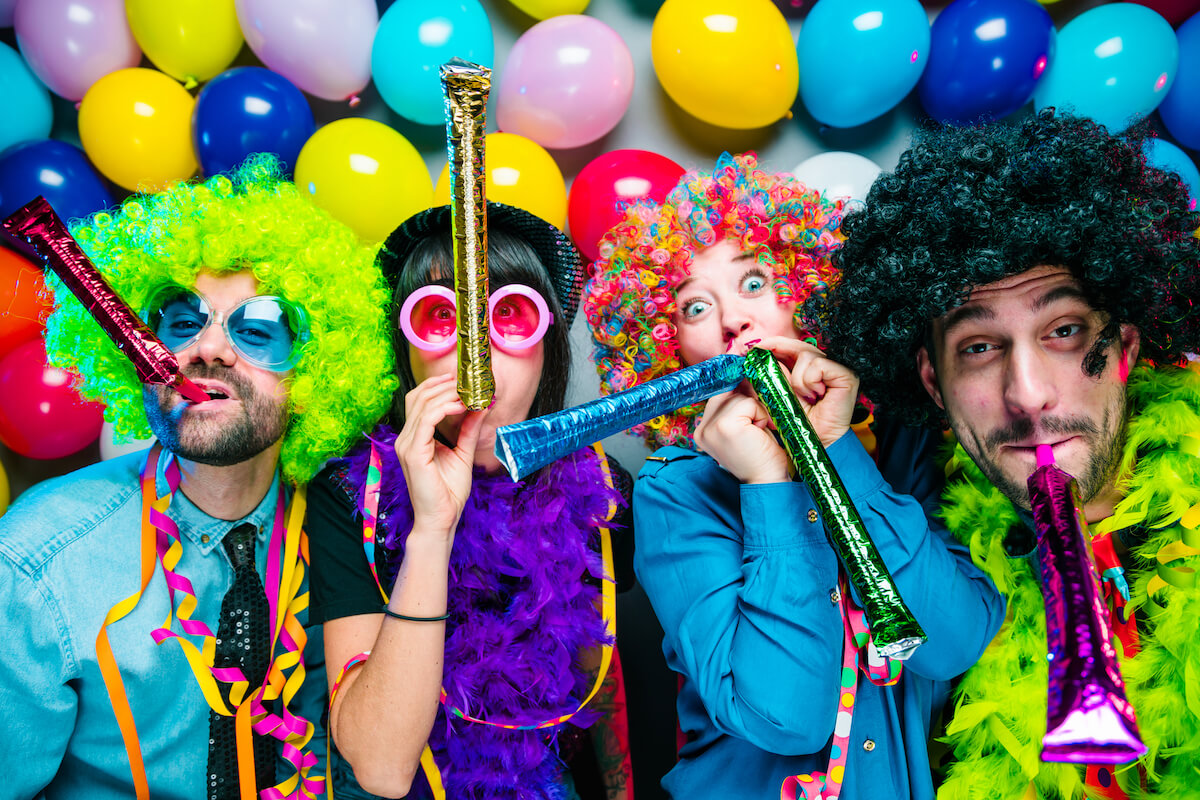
(468, 434)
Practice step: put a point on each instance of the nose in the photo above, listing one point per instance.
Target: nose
(213, 346)
(1029, 388)
(735, 319)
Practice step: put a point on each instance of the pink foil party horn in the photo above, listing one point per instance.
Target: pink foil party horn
(1088, 718)
(35, 229)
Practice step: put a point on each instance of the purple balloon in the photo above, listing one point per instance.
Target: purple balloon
(71, 44)
(322, 47)
(6, 12)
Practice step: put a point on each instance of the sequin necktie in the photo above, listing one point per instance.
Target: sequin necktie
(243, 640)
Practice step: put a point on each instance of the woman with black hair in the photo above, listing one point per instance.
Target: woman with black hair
(495, 628)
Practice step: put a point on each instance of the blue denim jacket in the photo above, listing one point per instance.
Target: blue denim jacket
(69, 550)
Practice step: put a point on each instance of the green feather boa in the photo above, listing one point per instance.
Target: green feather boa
(1000, 705)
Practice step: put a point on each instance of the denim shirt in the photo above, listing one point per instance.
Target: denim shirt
(743, 580)
(69, 551)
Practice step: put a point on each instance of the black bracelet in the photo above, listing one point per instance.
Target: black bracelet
(394, 615)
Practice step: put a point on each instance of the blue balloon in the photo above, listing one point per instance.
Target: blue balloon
(1113, 63)
(1180, 110)
(58, 171)
(414, 39)
(24, 102)
(985, 58)
(1169, 158)
(859, 58)
(249, 110)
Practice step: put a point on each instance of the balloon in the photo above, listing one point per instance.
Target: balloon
(414, 39)
(71, 44)
(519, 173)
(249, 110)
(1180, 109)
(985, 58)
(5, 496)
(135, 125)
(6, 12)
(24, 104)
(544, 9)
(190, 40)
(607, 184)
(837, 174)
(1169, 158)
(24, 302)
(566, 83)
(728, 62)
(41, 415)
(364, 174)
(58, 171)
(321, 46)
(1113, 63)
(859, 58)
(111, 448)
(1173, 11)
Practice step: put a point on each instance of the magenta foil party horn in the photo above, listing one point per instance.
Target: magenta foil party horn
(530, 445)
(1088, 718)
(36, 229)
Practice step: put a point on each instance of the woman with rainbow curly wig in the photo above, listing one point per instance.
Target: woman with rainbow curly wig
(730, 548)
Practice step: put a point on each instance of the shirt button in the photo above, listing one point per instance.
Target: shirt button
(812, 515)
(835, 596)
(204, 538)
(869, 745)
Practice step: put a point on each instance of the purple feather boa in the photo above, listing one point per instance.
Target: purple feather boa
(521, 614)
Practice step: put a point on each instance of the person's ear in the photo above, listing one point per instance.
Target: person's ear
(1131, 345)
(928, 377)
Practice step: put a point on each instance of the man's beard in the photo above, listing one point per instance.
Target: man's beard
(224, 443)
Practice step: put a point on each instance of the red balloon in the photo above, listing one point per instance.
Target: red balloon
(41, 415)
(23, 308)
(1173, 11)
(607, 183)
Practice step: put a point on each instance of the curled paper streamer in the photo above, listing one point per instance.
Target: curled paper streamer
(527, 446)
(37, 230)
(1089, 720)
(893, 627)
(466, 88)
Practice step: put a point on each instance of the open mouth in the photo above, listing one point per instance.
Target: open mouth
(216, 394)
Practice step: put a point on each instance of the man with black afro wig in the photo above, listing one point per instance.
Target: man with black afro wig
(1033, 285)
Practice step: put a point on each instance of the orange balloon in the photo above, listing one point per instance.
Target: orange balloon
(24, 301)
(519, 173)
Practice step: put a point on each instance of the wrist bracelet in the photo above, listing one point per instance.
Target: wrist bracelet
(406, 618)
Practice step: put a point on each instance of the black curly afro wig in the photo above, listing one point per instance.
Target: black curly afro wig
(969, 206)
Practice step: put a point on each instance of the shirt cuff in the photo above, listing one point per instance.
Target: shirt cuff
(776, 516)
(854, 466)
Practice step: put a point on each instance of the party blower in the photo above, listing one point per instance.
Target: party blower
(530, 445)
(1088, 718)
(36, 230)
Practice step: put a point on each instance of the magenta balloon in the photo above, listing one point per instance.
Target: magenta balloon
(71, 44)
(321, 46)
(567, 82)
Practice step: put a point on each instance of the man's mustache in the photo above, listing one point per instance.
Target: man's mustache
(1023, 429)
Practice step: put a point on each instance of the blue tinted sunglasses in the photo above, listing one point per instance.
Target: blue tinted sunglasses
(267, 331)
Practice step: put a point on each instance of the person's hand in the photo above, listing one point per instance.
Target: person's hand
(827, 390)
(734, 431)
(438, 477)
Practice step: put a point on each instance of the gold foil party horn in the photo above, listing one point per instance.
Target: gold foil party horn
(466, 88)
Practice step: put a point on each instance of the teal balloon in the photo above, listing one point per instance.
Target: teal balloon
(1169, 158)
(24, 102)
(414, 39)
(859, 58)
(1114, 63)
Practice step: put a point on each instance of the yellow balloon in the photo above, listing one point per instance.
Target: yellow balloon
(519, 173)
(544, 9)
(365, 174)
(136, 127)
(4, 492)
(731, 63)
(190, 40)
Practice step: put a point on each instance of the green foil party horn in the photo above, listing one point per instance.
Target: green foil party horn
(894, 629)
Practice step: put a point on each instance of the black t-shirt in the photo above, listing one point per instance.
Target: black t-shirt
(341, 584)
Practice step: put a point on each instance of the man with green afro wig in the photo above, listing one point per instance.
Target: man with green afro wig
(156, 604)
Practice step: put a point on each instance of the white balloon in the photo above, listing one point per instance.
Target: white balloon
(838, 174)
(111, 449)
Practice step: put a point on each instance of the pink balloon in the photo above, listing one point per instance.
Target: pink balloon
(71, 44)
(567, 82)
(321, 46)
(41, 416)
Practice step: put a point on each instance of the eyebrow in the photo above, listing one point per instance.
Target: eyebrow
(968, 313)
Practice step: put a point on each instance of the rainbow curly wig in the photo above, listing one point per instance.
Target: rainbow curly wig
(630, 300)
(251, 219)
(970, 206)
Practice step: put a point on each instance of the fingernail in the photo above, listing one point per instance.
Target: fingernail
(753, 342)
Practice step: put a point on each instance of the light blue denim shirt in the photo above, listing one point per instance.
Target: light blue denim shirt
(69, 551)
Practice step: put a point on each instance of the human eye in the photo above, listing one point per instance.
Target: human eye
(693, 308)
(976, 348)
(1066, 330)
(753, 282)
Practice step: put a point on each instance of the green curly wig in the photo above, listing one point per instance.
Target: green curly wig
(251, 219)
(630, 300)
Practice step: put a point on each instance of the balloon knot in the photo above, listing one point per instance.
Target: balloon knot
(354, 100)
(190, 83)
